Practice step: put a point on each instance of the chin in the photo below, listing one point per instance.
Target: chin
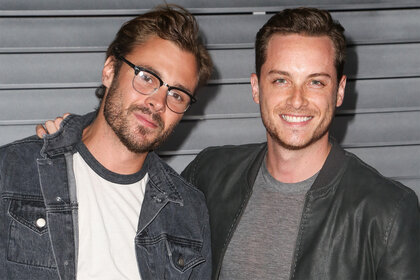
(294, 146)
(298, 143)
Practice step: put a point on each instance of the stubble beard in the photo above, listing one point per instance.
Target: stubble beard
(117, 119)
(319, 132)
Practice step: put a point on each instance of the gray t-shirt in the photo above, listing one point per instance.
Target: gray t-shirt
(262, 245)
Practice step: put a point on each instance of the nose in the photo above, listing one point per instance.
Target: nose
(297, 97)
(157, 101)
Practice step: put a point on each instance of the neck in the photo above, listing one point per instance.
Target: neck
(292, 166)
(106, 148)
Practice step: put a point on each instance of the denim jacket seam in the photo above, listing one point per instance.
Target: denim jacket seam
(22, 141)
(19, 196)
(160, 171)
(22, 263)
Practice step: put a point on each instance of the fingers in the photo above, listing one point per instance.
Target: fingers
(50, 126)
(53, 126)
(57, 123)
(40, 131)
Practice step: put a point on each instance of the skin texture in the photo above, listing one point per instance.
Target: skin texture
(130, 124)
(143, 122)
(297, 93)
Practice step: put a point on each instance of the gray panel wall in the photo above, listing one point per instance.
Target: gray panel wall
(52, 52)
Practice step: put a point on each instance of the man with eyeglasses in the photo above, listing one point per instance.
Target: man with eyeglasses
(299, 206)
(147, 82)
(94, 201)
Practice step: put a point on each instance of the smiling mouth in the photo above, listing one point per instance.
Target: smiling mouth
(295, 119)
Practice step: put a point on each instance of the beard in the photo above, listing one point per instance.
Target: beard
(320, 131)
(133, 137)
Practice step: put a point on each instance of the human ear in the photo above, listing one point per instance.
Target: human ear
(340, 91)
(255, 88)
(108, 71)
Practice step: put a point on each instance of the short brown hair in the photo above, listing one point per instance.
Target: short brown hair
(169, 22)
(305, 21)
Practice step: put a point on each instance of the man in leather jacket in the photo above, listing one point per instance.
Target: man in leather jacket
(299, 206)
(93, 201)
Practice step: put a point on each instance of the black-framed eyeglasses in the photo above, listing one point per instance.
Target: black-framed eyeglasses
(146, 82)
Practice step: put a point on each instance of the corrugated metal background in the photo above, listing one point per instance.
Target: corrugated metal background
(52, 52)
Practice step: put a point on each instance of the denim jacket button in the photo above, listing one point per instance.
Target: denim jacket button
(181, 261)
(41, 222)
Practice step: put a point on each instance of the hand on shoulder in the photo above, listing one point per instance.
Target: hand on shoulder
(50, 126)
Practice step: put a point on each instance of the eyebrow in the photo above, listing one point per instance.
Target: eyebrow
(319, 74)
(285, 73)
(279, 72)
(177, 85)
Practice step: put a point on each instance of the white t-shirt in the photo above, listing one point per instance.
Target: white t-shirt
(109, 209)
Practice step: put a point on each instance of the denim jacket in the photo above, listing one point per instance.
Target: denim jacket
(39, 211)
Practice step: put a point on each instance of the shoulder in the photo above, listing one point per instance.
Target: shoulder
(185, 188)
(230, 150)
(391, 205)
(370, 178)
(193, 199)
(222, 156)
(216, 167)
(18, 167)
(31, 140)
(27, 147)
(367, 184)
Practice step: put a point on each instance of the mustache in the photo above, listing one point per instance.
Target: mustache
(155, 117)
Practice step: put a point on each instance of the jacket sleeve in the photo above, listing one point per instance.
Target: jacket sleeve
(401, 259)
(3, 241)
(189, 171)
(203, 271)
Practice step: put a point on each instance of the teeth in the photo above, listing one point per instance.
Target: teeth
(295, 119)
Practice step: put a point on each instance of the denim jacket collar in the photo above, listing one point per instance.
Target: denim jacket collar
(59, 195)
(65, 140)
(159, 178)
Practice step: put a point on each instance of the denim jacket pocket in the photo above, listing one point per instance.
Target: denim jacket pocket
(183, 253)
(29, 241)
(168, 257)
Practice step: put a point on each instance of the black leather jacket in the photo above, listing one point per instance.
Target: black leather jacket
(356, 224)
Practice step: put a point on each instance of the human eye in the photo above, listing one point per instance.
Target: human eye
(280, 81)
(145, 77)
(177, 96)
(317, 83)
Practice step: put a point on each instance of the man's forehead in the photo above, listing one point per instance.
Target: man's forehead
(294, 46)
(282, 40)
(296, 54)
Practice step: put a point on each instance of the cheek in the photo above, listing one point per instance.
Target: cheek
(324, 102)
(275, 103)
(172, 119)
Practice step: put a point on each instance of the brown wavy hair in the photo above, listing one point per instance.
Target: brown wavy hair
(169, 22)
